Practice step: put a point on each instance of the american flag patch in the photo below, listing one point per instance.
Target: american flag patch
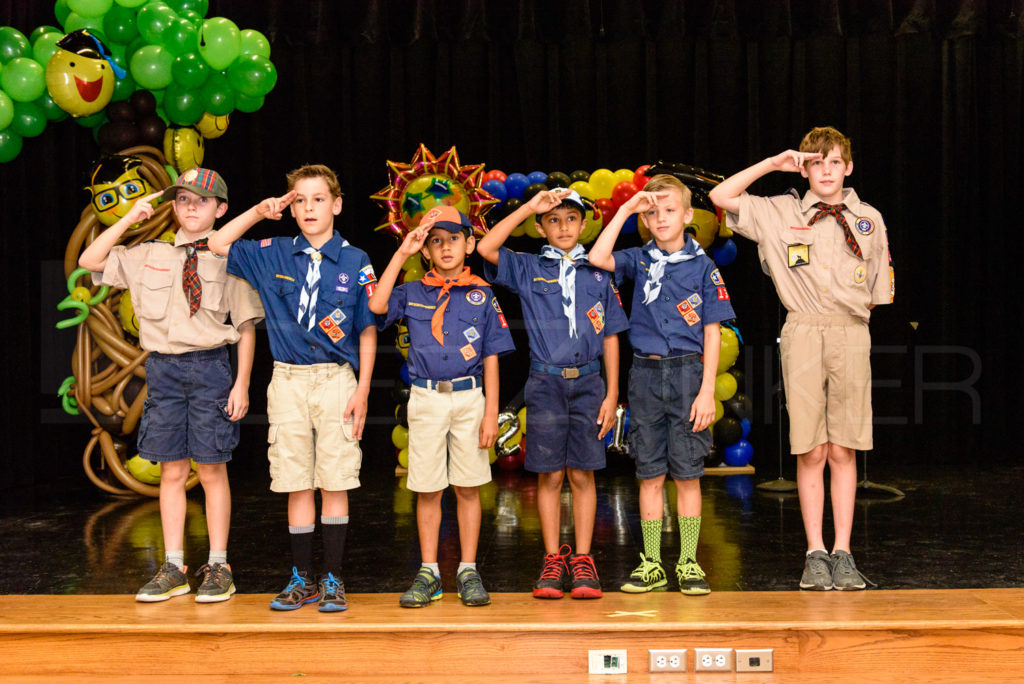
(265, 242)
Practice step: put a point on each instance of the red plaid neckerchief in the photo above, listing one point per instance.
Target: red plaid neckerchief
(431, 278)
(190, 278)
(836, 212)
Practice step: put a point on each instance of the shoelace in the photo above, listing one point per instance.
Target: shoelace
(690, 570)
(423, 579)
(297, 583)
(554, 562)
(216, 571)
(331, 584)
(647, 568)
(819, 566)
(845, 564)
(583, 567)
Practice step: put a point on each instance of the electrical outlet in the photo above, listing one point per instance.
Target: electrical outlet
(608, 661)
(712, 660)
(668, 659)
(754, 660)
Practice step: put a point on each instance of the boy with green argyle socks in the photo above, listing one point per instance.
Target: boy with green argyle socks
(679, 300)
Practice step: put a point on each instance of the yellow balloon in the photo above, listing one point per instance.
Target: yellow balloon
(704, 226)
(412, 262)
(414, 273)
(126, 313)
(624, 175)
(730, 350)
(403, 458)
(400, 437)
(183, 147)
(603, 182)
(529, 226)
(591, 228)
(725, 386)
(719, 412)
(492, 455)
(585, 189)
(402, 341)
(522, 419)
(78, 79)
(213, 126)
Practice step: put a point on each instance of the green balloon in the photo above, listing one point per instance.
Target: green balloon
(254, 43)
(6, 110)
(10, 145)
(40, 30)
(76, 21)
(24, 79)
(219, 42)
(151, 67)
(119, 25)
(190, 71)
(29, 120)
(181, 37)
(246, 104)
(44, 47)
(93, 120)
(13, 44)
(153, 20)
(123, 88)
(61, 11)
(199, 6)
(131, 3)
(252, 75)
(183, 107)
(51, 110)
(134, 47)
(90, 8)
(158, 95)
(217, 95)
(194, 18)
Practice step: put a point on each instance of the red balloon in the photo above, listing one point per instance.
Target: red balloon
(521, 454)
(639, 179)
(608, 209)
(622, 192)
(509, 462)
(494, 175)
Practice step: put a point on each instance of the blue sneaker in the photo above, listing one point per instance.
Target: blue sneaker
(300, 591)
(332, 594)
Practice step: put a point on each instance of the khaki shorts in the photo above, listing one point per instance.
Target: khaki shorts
(826, 369)
(444, 434)
(309, 445)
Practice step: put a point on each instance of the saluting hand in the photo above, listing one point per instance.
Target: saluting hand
(793, 161)
(546, 200)
(142, 210)
(273, 207)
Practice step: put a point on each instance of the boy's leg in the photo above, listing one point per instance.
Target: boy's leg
(650, 574)
(549, 508)
(810, 484)
(584, 507)
(170, 580)
(426, 586)
(218, 583)
(842, 470)
(470, 587)
(688, 504)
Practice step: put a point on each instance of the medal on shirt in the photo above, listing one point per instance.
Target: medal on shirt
(799, 255)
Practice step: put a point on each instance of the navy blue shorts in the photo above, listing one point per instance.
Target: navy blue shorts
(185, 414)
(561, 422)
(661, 436)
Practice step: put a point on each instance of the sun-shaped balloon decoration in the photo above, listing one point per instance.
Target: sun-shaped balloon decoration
(427, 181)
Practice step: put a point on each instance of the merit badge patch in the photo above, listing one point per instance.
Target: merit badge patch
(476, 297)
(328, 325)
(265, 242)
(723, 294)
(865, 226)
(338, 316)
(687, 312)
(716, 278)
(694, 300)
(471, 334)
(860, 274)
(799, 255)
(468, 352)
(596, 316)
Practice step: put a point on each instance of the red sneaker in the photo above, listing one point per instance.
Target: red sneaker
(585, 584)
(554, 575)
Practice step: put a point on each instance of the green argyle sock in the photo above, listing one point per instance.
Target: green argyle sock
(651, 530)
(689, 532)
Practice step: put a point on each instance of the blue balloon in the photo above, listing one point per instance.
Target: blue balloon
(537, 177)
(739, 454)
(725, 254)
(745, 424)
(625, 422)
(496, 188)
(403, 372)
(516, 184)
(630, 225)
(608, 437)
(739, 486)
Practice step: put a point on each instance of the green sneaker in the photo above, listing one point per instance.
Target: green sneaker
(300, 591)
(425, 588)
(332, 594)
(648, 576)
(691, 578)
(817, 572)
(167, 582)
(218, 584)
(471, 588)
(845, 575)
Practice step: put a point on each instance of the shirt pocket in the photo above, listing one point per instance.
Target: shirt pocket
(213, 276)
(154, 293)
(549, 295)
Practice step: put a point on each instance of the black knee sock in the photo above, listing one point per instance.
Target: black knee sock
(302, 548)
(334, 529)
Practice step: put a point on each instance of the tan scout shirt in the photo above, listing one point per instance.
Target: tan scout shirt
(152, 273)
(813, 269)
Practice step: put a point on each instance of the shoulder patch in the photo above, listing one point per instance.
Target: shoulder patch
(366, 275)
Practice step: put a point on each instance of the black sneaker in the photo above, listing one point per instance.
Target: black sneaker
(845, 575)
(648, 576)
(691, 578)
(585, 584)
(332, 594)
(554, 575)
(471, 588)
(817, 574)
(426, 587)
(218, 584)
(300, 591)
(167, 582)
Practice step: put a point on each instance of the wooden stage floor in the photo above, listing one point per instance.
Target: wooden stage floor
(915, 635)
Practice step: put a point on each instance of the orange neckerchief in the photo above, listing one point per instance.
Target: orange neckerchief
(431, 278)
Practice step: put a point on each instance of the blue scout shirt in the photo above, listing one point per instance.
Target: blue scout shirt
(474, 327)
(692, 295)
(535, 280)
(276, 267)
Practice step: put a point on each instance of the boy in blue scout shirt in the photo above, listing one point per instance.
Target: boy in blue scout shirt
(456, 333)
(183, 297)
(315, 287)
(572, 316)
(679, 300)
(828, 256)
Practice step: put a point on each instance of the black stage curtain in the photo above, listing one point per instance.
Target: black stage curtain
(930, 93)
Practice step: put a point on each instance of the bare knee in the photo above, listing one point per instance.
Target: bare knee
(653, 485)
(815, 458)
(175, 473)
(212, 474)
(550, 480)
(580, 479)
(839, 456)
(466, 494)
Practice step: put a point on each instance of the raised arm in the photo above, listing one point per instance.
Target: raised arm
(95, 255)
(544, 201)
(411, 245)
(727, 193)
(600, 254)
(270, 208)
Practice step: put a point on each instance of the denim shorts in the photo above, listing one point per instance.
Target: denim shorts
(561, 422)
(185, 413)
(661, 436)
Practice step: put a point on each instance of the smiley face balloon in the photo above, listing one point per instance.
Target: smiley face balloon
(115, 185)
(80, 75)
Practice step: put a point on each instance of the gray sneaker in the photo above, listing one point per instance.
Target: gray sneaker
(218, 584)
(845, 575)
(471, 588)
(167, 582)
(425, 589)
(817, 572)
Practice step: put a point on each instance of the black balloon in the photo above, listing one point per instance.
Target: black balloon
(143, 102)
(713, 457)
(151, 131)
(727, 431)
(117, 135)
(121, 111)
(532, 189)
(740, 406)
(402, 415)
(738, 374)
(557, 179)
(579, 175)
(399, 392)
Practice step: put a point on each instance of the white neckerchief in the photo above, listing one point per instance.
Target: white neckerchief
(566, 278)
(657, 270)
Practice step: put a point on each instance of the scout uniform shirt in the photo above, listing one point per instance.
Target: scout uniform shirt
(277, 268)
(474, 327)
(692, 295)
(151, 272)
(813, 269)
(535, 280)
